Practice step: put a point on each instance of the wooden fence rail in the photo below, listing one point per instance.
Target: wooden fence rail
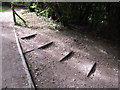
(15, 13)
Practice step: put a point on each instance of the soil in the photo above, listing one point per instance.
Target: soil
(44, 64)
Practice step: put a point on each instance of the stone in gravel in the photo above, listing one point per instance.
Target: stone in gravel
(85, 85)
(53, 81)
(38, 80)
(74, 79)
(26, 84)
(36, 73)
(48, 61)
(78, 55)
(30, 66)
(64, 49)
(36, 85)
(45, 80)
(75, 40)
(23, 77)
(36, 69)
(32, 61)
(66, 41)
(41, 82)
(114, 69)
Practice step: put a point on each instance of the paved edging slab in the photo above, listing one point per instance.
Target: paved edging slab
(30, 81)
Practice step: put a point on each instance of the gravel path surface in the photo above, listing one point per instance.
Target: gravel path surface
(48, 72)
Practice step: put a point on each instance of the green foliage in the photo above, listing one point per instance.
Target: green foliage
(33, 5)
(51, 23)
(21, 4)
(45, 12)
(93, 14)
(2, 8)
(5, 86)
(96, 15)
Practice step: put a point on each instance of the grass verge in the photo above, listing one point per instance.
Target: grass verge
(3, 8)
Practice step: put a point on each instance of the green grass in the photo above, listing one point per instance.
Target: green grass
(2, 8)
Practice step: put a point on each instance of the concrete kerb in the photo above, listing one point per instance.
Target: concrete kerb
(0, 52)
(29, 77)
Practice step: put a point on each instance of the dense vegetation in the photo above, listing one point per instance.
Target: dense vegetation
(2, 8)
(82, 13)
(102, 16)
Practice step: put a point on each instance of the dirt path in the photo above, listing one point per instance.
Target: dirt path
(44, 64)
(48, 72)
